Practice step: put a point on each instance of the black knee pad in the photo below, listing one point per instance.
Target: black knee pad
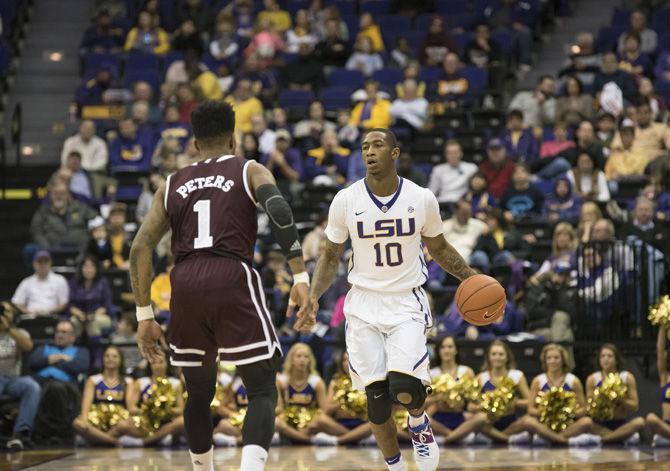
(401, 383)
(379, 402)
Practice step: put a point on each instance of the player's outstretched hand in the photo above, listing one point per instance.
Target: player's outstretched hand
(150, 340)
(306, 317)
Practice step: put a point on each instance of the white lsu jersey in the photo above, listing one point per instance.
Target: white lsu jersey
(385, 234)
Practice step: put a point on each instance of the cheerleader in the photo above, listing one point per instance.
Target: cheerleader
(349, 427)
(661, 427)
(618, 429)
(136, 436)
(554, 360)
(107, 388)
(451, 424)
(499, 366)
(302, 389)
(231, 411)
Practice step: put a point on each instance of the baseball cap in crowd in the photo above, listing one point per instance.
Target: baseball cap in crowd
(562, 267)
(495, 143)
(359, 95)
(95, 223)
(627, 123)
(283, 134)
(118, 208)
(41, 255)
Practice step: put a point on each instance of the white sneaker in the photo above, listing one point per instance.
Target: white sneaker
(522, 438)
(585, 440)
(276, 439)
(324, 439)
(221, 439)
(166, 442)
(632, 440)
(79, 440)
(470, 439)
(660, 440)
(369, 441)
(127, 441)
(481, 439)
(539, 441)
(426, 451)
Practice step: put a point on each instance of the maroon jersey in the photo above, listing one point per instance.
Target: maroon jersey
(211, 209)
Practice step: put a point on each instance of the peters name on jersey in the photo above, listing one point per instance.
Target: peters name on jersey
(212, 181)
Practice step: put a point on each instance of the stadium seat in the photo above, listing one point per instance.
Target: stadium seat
(376, 7)
(294, 5)
(388, 77)
(477, 79)
(490, 119)
(350, 79)
(620, 17)
(430, 75)
(504, 39)
(607, 38)
(295, 102)
(346, 8)
(451, 7)
(454, 120)
(392, 23)
(142, 61)
(335, 98)
(171, 57)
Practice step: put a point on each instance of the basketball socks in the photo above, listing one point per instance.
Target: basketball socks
(395, 463)
(253, 458)
(416, 422)
(203, 461)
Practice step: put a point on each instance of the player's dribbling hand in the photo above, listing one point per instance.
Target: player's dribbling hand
(306, 317)
(150, 340)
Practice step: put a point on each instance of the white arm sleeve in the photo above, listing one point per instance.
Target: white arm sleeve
(336, 230)
(433, 226)
(21, 294)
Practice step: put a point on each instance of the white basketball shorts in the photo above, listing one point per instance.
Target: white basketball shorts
(386, 332)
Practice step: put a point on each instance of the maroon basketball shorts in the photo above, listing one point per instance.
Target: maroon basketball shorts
(218, 312)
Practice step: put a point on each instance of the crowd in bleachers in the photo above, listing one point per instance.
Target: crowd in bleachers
(550, 196)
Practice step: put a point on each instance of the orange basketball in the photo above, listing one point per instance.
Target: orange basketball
(480, 299)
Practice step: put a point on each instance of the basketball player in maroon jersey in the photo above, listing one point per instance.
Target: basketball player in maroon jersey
(218, 307)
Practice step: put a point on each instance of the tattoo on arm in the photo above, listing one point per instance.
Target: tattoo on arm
(152, 230)
(447, 257)
(326, 268)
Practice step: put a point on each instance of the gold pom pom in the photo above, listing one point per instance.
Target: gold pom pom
(497, 403)
(104, 416)
(454, 392)
(400, 417)
(557, 408)
(219, 394)
(659, 313)
(237, 419)
(351, 400)
(156, 406)
(605, 399)
(299, 417)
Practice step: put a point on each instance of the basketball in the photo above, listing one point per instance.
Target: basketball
(480, 300)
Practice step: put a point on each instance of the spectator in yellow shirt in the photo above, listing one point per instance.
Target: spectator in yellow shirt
(245, 105)
(370, 29)
(373, 113)
(161, 291)
(651, 138)
(118, 238)
(626, 160)
(147, 36)
(278, 18)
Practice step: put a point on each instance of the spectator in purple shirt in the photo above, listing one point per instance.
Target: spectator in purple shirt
(90, 299)
(103, 37)
(129, 151)
(562, 203)
(91, 92)
(285, 162)
(520, 142)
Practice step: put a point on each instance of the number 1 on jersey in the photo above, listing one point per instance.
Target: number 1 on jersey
(389, 258)
(204, 238)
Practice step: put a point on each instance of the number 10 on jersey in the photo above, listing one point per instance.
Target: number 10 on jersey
(392, 251)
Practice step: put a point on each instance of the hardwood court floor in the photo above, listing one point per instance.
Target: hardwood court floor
(344, 459)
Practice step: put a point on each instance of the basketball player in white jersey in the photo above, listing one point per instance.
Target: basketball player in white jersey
(387, 314)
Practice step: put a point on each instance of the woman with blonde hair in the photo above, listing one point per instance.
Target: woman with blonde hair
(588, 216)
(498, 370)
(563, 245)
(554, 360)
(303, 398)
